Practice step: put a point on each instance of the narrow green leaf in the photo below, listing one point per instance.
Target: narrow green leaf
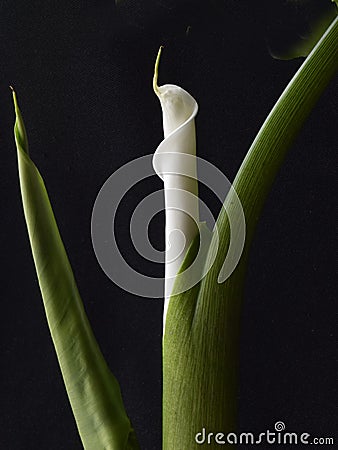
(93, 391)
(200, 346)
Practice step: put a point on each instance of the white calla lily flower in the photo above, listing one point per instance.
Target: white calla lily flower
(179, 109)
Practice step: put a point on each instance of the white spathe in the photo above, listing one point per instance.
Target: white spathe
(179, 175)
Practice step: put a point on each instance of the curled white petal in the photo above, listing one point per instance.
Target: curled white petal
(179, 109)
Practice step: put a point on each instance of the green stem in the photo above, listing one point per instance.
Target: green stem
(200, 348)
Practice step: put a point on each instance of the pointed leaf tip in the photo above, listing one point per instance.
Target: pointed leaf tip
(20, 134)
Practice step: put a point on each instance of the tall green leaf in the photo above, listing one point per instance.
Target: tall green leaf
(200, 346)
(93, 391)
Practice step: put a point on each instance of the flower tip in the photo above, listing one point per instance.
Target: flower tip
(155, 78)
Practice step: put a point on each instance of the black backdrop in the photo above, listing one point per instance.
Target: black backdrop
(83, 73)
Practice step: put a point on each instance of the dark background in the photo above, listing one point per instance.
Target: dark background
(83, 72)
